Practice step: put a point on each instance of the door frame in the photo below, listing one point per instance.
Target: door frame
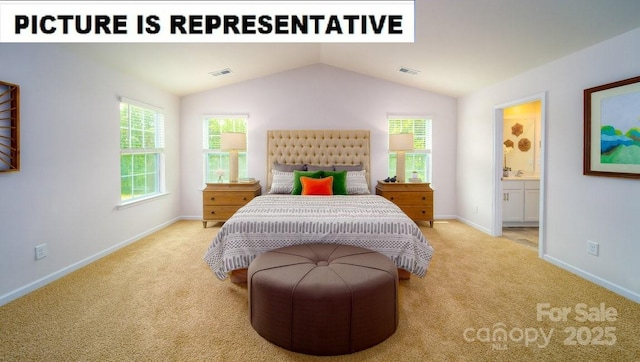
(498, 123)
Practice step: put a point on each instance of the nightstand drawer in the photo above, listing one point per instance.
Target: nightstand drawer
(226, 198)
(408, 198)
(221, 200)
(219, 212)
(418, 212)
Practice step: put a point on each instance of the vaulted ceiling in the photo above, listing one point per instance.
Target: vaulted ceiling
(460, 46)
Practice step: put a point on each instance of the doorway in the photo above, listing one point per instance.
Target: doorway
(519, 168)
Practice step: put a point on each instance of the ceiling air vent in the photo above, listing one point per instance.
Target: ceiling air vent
(408, 70)
(218, 73)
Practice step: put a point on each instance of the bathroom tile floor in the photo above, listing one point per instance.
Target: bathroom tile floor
(524, 235)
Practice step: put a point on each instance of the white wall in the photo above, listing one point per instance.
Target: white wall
(318, 97)
(577, 208)
(68, 187)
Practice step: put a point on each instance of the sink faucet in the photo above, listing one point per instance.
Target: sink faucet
(520, 173)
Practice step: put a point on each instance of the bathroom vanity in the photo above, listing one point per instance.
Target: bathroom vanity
(520, 201)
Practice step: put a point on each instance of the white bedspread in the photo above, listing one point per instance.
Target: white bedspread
(275, 221)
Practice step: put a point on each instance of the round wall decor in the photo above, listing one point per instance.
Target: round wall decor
(524, 145)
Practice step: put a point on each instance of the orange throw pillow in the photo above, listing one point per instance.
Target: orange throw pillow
(317, 186)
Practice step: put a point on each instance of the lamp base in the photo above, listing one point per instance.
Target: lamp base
(400, 177)
(233, 166)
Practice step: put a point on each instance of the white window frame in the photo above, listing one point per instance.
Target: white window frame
(423, 144)
(157, 152)
(210, 175)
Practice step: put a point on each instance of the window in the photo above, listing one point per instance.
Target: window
(141, 150)
(418, 160)
(216, 161)
(9, 127)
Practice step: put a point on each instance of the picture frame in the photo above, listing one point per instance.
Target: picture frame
(612, 129)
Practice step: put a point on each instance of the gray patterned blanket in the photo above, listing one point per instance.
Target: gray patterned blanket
(274, 221)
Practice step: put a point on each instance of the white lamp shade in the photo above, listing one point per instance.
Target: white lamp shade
(401, 142)
(233, 141)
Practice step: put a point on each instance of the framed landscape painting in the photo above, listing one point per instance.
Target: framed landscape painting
(612, 129)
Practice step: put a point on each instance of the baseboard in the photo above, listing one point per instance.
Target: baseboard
(22, 291)
(473, 225)
(593, 278)
(444, 217)
(199, 218)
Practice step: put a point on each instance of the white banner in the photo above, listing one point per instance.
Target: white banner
(207, 21)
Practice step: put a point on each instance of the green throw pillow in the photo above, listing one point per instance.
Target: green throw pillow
(339, 181)
(297, 185)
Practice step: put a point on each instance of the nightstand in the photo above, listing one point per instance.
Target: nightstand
(414, 198)
(221, 200)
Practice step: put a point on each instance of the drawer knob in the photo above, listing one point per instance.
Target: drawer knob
(213, 198)
(424, 212)
(244, 199)
(213, 212)
(424, 198)
(391, 198)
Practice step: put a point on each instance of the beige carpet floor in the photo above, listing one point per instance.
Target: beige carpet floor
(156, 300)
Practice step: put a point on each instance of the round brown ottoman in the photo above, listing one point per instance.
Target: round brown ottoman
(323, 299)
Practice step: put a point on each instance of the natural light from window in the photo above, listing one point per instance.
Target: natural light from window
(216, 161)
(418, 160)
(141, 150)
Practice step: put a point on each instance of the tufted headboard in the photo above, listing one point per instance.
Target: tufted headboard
(318, 147)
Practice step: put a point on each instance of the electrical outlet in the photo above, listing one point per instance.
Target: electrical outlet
(41, 251)
(592, 247)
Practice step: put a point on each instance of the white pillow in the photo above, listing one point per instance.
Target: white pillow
(357, 183)
(281, 182)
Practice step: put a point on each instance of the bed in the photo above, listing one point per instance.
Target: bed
(279, 219)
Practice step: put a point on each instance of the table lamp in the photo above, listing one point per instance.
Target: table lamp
(233, 142)
(400, 143)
